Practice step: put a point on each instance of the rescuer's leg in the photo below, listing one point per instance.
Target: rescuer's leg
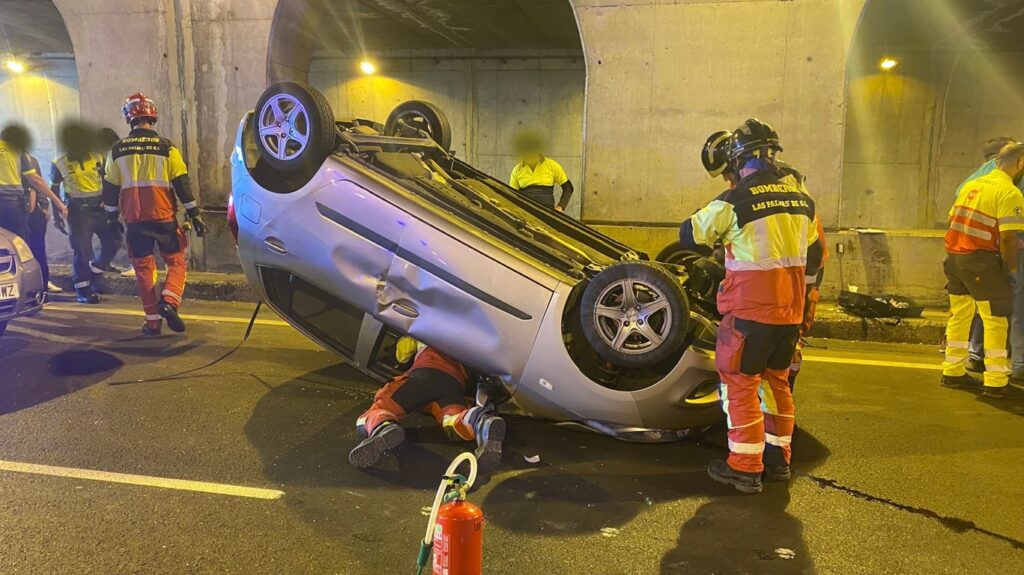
(962, 308)
(740, 402)
(172, 250)
(477, 423)
(379, 426)
(777, 405)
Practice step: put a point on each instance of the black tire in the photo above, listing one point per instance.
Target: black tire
(317, 123)
(676, 254)
(414, 118)
(650, 283)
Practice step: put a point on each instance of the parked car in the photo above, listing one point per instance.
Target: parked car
(21, 281)
(358, 233)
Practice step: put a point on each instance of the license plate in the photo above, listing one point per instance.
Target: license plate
(8, 291)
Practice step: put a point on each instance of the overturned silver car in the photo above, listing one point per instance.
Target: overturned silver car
(358, 233)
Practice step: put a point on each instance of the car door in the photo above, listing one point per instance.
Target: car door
(448, 294)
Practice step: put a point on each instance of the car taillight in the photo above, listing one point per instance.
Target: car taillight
(232, 218)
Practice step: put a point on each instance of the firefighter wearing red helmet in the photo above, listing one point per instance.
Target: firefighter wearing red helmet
(145, 178)
(768, 225)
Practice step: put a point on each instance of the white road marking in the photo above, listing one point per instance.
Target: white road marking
(138, 313)
(143, 480)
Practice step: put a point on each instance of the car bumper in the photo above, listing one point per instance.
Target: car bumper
(31, 289)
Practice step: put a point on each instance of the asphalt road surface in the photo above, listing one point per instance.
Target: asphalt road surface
(241, 468)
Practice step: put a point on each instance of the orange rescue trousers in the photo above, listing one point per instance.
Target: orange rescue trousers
(753, 361)
(169, 239)
(430, 391)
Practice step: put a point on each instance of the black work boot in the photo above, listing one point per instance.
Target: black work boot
(152, 327)
(169, 312)
(976, 365)
(720, 471)
(776, 473)
(964, 381)
(385, 437)
(490, 433)
(1003, 393)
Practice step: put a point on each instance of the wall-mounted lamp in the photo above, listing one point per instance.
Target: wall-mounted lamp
(14, 66)
(888, 64)
(367, 67)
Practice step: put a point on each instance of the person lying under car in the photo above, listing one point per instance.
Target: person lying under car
(437, 385)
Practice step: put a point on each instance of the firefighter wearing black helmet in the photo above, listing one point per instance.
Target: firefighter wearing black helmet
(767, 223)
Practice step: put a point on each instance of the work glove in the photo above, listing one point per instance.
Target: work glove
(58, 222)
(198, 224)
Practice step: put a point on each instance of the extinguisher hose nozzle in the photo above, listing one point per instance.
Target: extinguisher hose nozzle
(424, 556)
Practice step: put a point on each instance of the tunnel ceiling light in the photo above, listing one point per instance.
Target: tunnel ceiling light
(367, 67)
(888, 64)
(15, 66)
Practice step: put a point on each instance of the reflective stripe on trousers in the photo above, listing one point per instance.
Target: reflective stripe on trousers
(958, 330)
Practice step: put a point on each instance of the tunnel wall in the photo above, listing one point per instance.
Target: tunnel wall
(486, 100)
(42, 99)
(915, 134)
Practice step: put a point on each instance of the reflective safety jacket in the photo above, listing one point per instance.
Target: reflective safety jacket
(79, 178)
(984, 207)
(768, 226)
(143, 174)
(13, 165)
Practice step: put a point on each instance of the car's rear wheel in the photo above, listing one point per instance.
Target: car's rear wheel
(634, 314)
(675, 253)
(418, 119)
(294, 128)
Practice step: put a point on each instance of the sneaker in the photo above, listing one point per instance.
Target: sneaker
(53, 288)
(964, 381)
(776, 473)
(111, 268)
(169, 312)
(490, 433)
(385, 437)
(976, 365)
(1005, 392)
(152, 327)
(720, 471)
(128, 273)
(89, 298)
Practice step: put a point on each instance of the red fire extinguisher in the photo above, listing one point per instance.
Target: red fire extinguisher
(455, 530)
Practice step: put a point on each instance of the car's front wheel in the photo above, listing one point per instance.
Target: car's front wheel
(634, 314)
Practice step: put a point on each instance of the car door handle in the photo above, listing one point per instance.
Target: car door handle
(275, 245)
(406, 309)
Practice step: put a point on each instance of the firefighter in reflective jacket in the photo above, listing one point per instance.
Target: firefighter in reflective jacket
(434, 384)
(715, 157)
(981, 248)
(144, 172)
(767, 224)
